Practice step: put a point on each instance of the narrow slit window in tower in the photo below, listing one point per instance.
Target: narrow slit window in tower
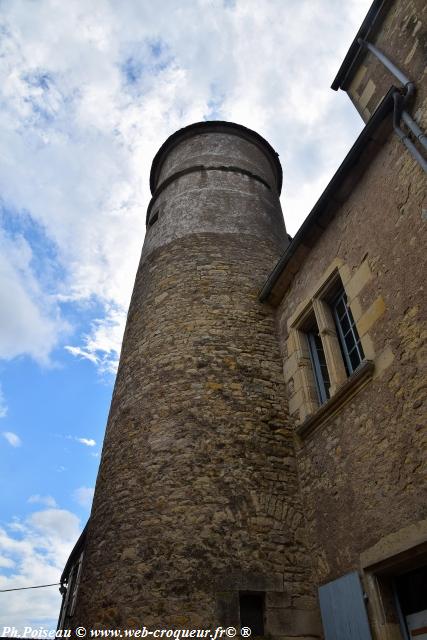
(153, 219)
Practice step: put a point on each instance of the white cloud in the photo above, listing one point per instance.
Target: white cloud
(88, 97)
(29, 317)
(3, 404)
(46, 500)
(84, 496)
(102, 346)
(89, 442)
(12, 438)
(34, 552)
(6, 562)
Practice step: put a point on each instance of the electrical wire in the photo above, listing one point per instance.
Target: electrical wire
(39, 586)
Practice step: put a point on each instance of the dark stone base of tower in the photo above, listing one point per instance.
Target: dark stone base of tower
(264, 459)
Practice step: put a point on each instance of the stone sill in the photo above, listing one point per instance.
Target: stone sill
(346, 391)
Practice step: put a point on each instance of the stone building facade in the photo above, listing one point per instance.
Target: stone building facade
(264, 462)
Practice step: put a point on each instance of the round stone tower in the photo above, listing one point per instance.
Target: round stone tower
(196, 509)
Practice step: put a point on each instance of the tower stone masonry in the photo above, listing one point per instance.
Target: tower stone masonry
(196, 499)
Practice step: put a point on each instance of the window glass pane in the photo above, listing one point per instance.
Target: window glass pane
(340, 308)
(349, 341)
(319, 348)
(354, 359)
(345, 324)
(326, 382)
(320, 369)
(350, 315)
(347, 333)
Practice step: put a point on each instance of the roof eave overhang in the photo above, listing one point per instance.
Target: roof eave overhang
(370, 26)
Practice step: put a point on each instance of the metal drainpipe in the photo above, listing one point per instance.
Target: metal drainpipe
(421, 137)
(397, 115)
(400, 101)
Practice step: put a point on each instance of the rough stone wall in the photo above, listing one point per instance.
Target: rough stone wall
(363, 472)
(196, 496)
(213, 201)
(403, 39)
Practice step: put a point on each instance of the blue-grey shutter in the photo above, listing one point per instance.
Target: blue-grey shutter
(343, 609)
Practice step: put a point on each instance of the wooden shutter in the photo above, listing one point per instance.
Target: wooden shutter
(76, 585)
(343, 609)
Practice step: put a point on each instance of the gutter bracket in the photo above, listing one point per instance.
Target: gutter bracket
(401, 100)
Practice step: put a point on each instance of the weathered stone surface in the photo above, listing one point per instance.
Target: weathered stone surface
(196, 496)
(363, 473)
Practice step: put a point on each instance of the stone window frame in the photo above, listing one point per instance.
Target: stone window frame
(298, 369)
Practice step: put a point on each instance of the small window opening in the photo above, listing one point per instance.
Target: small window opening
(153, 219)
(252, 612)
(351, 346)
(318, 360)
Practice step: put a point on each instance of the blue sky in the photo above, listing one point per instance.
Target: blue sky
(89, 91)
